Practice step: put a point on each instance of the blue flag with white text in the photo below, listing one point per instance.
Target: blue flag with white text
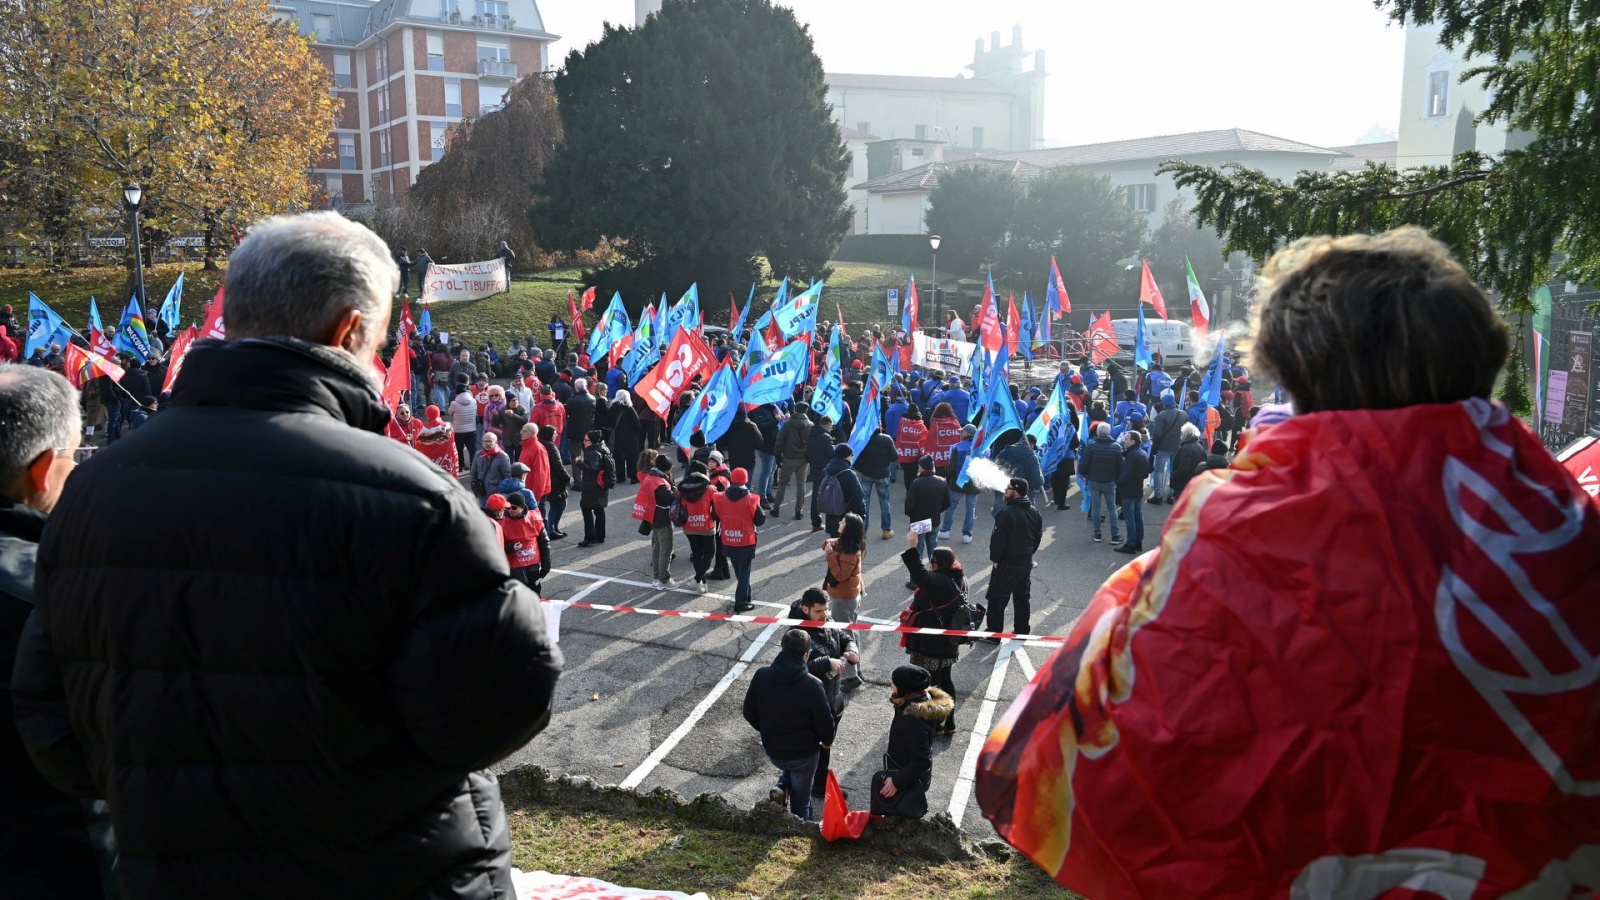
(1049, 431)
(44, 327)
(866, 423)
(712, 411)
(999, 414)
(613, 326)
(774, 380)
(131, 335)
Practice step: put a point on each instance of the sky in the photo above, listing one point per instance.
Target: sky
(1319, 71)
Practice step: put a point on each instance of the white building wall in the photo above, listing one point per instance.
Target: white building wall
(902, 213)
(949, 117)
(1427, 139)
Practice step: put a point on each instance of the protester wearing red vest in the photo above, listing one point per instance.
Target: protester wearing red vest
(910, 442)
(527, 545)
(695, 492)
(739, 512)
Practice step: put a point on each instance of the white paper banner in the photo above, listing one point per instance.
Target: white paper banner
(942, 353)
(467, 281)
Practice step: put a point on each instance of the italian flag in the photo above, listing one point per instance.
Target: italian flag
(1199, 311)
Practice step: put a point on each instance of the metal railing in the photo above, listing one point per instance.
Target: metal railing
(497, 68)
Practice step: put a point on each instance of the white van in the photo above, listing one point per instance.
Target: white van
(1174, 340)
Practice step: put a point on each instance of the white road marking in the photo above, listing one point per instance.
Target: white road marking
(1025, 663)
(980, 732)
(638, 775)
(683, 590)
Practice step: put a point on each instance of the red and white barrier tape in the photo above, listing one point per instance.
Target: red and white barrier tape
(799, 623)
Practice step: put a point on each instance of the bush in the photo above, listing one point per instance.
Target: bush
(909, 250)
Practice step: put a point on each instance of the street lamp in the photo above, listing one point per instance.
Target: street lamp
(938, 311)
(132, 199)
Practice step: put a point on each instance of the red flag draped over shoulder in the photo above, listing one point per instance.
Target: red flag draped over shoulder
(1357, 660)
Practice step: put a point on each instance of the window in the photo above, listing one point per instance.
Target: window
(496, 50)
(435, 52)
(1438, 98)
(922, 132)
(383, 105)
(490, 98)
(452, 97)
(341, 69)
(347, 152)
(335, 188)
(1142, 197)
(436, 131)
(977, 138)
(324, 27)
(493, 8)
(448, 8)
(380, 59)
(383, 149)
(864, 126)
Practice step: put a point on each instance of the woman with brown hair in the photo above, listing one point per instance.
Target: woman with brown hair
(1375, 636)
(846, 555)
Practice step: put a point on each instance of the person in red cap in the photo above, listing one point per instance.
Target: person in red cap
(738, 513)
(495, 506)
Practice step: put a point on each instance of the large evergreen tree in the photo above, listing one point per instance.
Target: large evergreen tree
(970, 209)
(1515, 220)
(697, 143)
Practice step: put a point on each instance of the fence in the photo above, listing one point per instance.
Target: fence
(1572, 404)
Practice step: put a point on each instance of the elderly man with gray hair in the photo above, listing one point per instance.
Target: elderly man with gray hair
(45, 846)
(1100, 464)
(290, 682)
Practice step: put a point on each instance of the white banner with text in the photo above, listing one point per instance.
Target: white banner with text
(466, 281)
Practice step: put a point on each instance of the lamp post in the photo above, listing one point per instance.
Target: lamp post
(938, 301)
(132, 199)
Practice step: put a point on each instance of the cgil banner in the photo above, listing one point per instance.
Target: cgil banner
(467, 281)
(942, 353)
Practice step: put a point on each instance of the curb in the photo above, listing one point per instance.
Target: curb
(935, 838)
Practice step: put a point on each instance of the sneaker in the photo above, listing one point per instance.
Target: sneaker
(944, 535)
(814, 528)
(966, 539)
(700, 585)
(1097, 539)
(1116, 539)
(663, 585)
(887, 534)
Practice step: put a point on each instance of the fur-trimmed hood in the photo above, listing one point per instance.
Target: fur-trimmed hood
(933, 707)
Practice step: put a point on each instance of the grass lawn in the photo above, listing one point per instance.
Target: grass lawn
(857, 288)
(663, 853)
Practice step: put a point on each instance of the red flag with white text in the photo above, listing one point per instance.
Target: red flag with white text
(686, 356)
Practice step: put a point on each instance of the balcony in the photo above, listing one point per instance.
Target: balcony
(492, 21)
(497, 68)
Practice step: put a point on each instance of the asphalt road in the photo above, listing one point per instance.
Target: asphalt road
(651, 701)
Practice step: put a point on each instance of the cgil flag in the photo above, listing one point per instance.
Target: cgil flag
(169, 307)
(1199, 310)
(577, 318)
(1056, 300)
(1049, 431)
(180, 351)
(131, 334)
(1149, 293)
(685, 357)
(1013, 325)
(999, 415)
(990, 335)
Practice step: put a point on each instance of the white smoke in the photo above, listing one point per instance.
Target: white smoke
(1206, 346)
(987, 475)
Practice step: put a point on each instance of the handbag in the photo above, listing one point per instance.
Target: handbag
(911, 803)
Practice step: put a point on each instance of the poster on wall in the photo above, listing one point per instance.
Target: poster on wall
(465, 281)
(1555, 407)
(1577, 400)
(1594, 387)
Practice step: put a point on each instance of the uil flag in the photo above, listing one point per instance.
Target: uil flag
(738, 320)
(908, 316)
(1199, 310)
(1013, 324)
(1149, 293)
(425, 324)
(99, 344)
(577, 318)
(999, 415)
(1025, 332)
(131, 335)
(866, 423)
(990, 335)
(169, 307)
(1103, 338)
(611, 328)
(754, 352)
(1049, 431)
(828, 399)
(1141, 346)
(798, 315)
(1055, 295)
(881, 371)
(588, 299)
(774, 379)
(712, 412)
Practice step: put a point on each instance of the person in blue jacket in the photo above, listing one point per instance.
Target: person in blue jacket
(1127, 406)
(960, 401)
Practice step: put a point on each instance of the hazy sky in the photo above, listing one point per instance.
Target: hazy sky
(1319, 71)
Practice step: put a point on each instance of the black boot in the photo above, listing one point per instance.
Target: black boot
(720, 574)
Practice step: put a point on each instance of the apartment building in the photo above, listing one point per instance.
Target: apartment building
(404, 71)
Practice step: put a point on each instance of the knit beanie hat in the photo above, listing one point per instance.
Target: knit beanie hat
(911, 679)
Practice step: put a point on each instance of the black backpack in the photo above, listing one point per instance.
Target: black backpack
(830, 497)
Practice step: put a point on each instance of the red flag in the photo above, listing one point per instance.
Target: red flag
(686, 356)
(588, 299)
(733, 313)
(838, 822)
(398, 378)
(988, 324)
(774, 336)
(81, 366)
(912, 308)
(619, 349)
(1102, 339)
(215, 327)
(406, 325)
(577, 320)
(180, 349)
(1149, 293)
(1582, 459)
(1061, 290)
(100, 345)
(1013, 324)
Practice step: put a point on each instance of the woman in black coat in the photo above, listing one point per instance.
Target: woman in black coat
(627, 436)
(918, 709)
(939, 594)
(599, 474)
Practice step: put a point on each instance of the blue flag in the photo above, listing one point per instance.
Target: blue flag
(798, 315)
(774, 380)
(425, 324)
(909, 311)
(44, 327)
(711, 413)
(1141, 346)
(169, 307)
(980, 369)
(94, 316)
(1043, 326)
(738, 327)
(878, 382)
(1211, 387)
(754, 353)
(866, 423)
(1049, 431)
(683, 314)
(131, 335)
(613, 326)
(1025, 333)
(999, 414)
(828, 399)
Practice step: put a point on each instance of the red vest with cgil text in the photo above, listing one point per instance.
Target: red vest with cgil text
(644, 502)
(738, 518)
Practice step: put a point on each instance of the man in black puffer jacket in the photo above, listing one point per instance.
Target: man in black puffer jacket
(289, 683)
(740, 442)
(789, 707)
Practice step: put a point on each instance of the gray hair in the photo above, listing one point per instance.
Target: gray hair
(1188, 431)
(580, 384)
(1102, 429)
(622, 397)
(38, 412)
(295, 276)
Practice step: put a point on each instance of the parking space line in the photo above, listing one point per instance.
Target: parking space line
(1025, 663)
(980, 732)
(704, 706)
(683, 590)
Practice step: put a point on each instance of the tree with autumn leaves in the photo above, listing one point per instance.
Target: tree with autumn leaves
(215, 109)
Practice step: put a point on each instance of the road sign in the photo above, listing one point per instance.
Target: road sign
(894, 302)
